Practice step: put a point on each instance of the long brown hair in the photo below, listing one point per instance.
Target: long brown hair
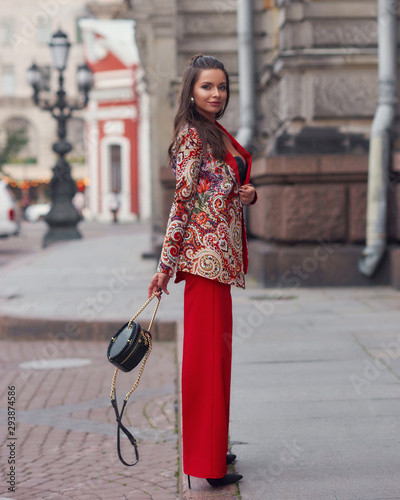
(187, 113)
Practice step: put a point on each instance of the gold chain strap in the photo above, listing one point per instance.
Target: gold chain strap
(143, 307)
(148, 337)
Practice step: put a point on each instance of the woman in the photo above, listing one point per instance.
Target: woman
(205, 245)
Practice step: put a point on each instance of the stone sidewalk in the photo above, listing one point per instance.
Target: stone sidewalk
(66, 431)
(315, 383)
(316, 393)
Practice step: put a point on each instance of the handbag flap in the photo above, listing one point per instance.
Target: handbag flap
(123, 339)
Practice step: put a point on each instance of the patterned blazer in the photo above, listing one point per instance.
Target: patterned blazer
(205, 233)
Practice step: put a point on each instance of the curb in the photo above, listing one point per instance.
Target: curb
(14, 328)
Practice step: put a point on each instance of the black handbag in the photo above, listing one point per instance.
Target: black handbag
(129, 346)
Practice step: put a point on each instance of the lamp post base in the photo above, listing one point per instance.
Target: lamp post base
(55, 234)
(63, 216)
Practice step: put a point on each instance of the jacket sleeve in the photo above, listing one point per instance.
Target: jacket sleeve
(188, 164)
(255, 198)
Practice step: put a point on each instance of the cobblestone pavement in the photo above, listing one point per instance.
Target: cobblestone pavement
(66, 432)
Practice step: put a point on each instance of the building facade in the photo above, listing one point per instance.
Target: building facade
(25, 31)
(118, 167)
(107, 162)
(316, 94)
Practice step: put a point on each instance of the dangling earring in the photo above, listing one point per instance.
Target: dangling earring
(191, 101)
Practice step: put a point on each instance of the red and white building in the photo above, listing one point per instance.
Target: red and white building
(117, 140)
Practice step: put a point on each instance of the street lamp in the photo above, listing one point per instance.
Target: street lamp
(59, 47)
(63, 216)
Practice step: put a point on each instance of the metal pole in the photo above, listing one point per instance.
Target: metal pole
(380, 141)
(63, 216)
(247, 73)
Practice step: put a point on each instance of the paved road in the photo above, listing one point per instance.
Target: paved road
(28, 242)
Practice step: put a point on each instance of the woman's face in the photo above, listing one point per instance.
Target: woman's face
(209, 92)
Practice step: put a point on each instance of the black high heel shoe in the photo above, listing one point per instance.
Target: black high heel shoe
(224, 481)
(230, 458)
(221, 481)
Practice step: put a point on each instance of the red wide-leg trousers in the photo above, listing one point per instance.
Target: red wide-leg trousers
(206, 376)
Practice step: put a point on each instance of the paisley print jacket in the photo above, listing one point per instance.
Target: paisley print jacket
(205, 233)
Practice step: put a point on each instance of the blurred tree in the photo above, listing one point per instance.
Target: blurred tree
(15, 140)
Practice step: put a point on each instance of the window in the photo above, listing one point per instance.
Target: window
(115, 152)
(7, 31)
(79, 37)
(7, 80)
(46, 77)
(44, 29)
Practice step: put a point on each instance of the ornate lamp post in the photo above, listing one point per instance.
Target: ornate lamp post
(63, 216)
